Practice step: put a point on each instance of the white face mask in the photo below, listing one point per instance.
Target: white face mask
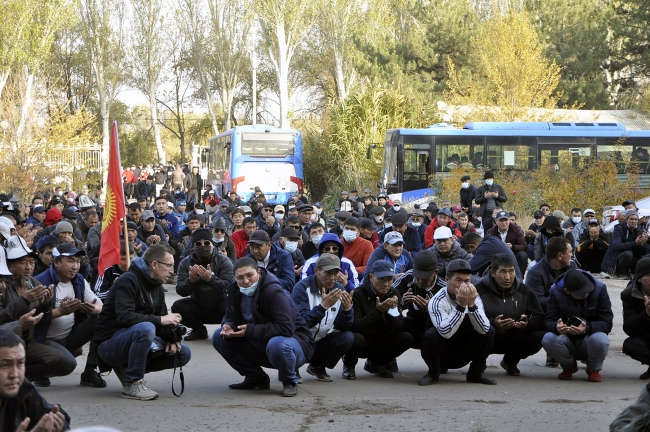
(416, 224)
(250, 290)
(397, 207)
(465, 185)
(489, 182)
(290, 246)
(279, 216)
(313, 217)
(349, 235)
(388, 225)
(316, 239)
(576, 219)
(379, 219)
(199, 211)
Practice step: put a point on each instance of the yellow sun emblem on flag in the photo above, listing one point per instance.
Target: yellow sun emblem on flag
(109, 208)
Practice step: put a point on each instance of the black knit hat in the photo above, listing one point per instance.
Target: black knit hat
(201, 234)
(642, 267)
(488, 175)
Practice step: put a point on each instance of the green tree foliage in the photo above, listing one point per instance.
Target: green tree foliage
(630, 30)
(575, 33)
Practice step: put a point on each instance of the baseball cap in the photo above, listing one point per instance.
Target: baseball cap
(593, 222)
(631, 213)
(425, 264)
(539, 214)
(628, 202)
(459, 265)
(367, 191)
(147, 214)
(397, 202)
(289, 233)
(444, 211)
(345, 193)
(442, 233)
(399, 219)
(328, 262)
(587, 211)
(342, 215)
(304, 208)
(259, 237)
(69, 213)
(39, 209)
(393, 237)
(577, 283)
(502, 215)
(456, 209)
(181, 203)
(279, 208)
(381, 269)
(560, 215)
(46, 240)
(465, 178)
(170, 204)
(332, 222)
(67, 250)
(246, 209)
(224, 203)
(318, 204)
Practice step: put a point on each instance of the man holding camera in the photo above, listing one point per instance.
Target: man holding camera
(578, 318)
(134, 312)
(513, 311)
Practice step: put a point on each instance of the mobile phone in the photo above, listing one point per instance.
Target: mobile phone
(521, 319)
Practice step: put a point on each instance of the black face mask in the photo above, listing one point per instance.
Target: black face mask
(203, 253)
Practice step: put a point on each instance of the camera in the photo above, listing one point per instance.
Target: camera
(171, 334)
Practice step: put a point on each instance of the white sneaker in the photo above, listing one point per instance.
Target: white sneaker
(138, 390)
(605, 275)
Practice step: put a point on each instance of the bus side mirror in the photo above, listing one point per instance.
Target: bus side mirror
(368, 151)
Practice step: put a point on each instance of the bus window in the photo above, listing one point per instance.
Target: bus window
(618, 150)
(507, 153)
(267, 144)
(390, 156)
(571, 151)
(416, 162)
(458, 151)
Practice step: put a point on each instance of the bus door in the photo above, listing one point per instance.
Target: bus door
(416, 166)
(567, 152)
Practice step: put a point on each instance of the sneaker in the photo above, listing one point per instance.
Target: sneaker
(262, 383)
(594, 376)
(392, 366)
(605, 275)
(197, 334)
(45, 382)
(378, 370)
(567, 374)
(551, 362)
(645, 375)
(120, 373)
(319, 372)
(480, 380)
(427, 380)
(92, 379)
(298, 377)
(511, 370)
(349, 373)
(290, 390)
(138, 390)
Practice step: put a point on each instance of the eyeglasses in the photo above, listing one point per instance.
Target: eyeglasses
(169, 266)
(330, 249)
(203, 243)
(268, 210)
(296, 227)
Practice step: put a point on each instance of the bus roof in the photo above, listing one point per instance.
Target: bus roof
(255, 128)
(570, 129)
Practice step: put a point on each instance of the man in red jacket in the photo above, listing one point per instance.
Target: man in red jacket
(513, 236)
(443, 219)
(357, 249)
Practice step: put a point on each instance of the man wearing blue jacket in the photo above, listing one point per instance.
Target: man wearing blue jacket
(393, 252)
(578, 318)
(327, 307)
(331, 243)
(273, 258)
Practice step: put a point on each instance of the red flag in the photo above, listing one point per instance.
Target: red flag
(113, 209)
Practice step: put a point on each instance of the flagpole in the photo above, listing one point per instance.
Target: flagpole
(126, 242)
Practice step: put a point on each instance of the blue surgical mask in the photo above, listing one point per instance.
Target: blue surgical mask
(397, 207)
(489, 182)
(316, 239)
(576, 220)
(388, 225)
(290, 246)
(279, 216)
(416, 224)
(250, 290)
(465, 185)
(349, 235)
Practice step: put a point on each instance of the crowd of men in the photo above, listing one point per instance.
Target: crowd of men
(290, 286)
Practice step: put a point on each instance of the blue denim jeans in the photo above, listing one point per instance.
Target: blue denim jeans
(130, 347)
(591, 348)
(282, 353)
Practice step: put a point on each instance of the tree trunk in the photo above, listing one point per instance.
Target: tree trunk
(27, 102)
(341, 85)
(282, 72)
(154, 122)
(227, 97)
(3, 80)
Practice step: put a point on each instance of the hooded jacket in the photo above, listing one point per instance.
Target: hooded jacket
(346, 265)
(27, 403)
(636, 322)
(513, 303)
(542, 237)
(274, 314)
(208, 294)
(281, 265)
(400, 265)
(307, 298)
(134, 298)
(596, 309)
(623, 239)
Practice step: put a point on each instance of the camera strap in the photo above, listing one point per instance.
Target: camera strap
(177, 362)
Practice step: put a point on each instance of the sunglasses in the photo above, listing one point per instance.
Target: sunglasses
(203, 243)
(268, 210)
(220, 231)
(331, 249)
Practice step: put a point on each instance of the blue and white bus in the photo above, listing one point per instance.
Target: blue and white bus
(260, 155)
(413, 156)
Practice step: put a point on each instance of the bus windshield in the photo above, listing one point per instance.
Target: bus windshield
(267, 144)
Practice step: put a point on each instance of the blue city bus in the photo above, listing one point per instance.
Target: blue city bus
(413, 156)
(260, 155)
